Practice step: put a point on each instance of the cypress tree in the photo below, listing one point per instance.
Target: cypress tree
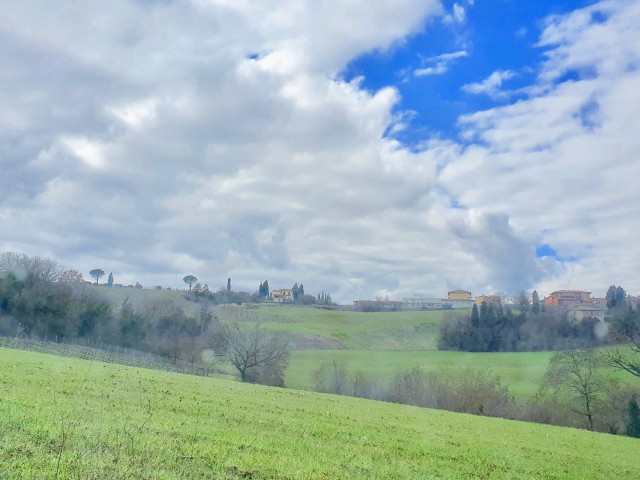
(475, 316)
(633, 424)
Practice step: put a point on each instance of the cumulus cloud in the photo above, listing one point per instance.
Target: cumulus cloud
(217, 138)
(562, 161)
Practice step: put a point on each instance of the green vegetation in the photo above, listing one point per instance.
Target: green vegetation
(67, 418)
(353, 330)
(521, 372)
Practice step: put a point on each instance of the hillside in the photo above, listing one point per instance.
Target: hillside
(67, 418)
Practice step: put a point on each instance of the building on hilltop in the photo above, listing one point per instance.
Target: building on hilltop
(423, 303)
(586, 311)
(493, 299)
(459, 295)
(282, 295)
(376, 305)
(434, 303)
(568, 298)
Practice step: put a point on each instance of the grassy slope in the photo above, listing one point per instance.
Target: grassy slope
(92, 420)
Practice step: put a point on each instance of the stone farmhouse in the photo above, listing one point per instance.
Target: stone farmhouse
(282, 295)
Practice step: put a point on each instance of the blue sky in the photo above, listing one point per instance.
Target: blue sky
(500, 35)
(396, 147)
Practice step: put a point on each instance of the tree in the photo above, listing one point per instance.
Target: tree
(259, 355)
(71, 276)
(97, 274)
(301, 290)
(263, 291)
(633, 423)
(30, 268)
(110, 279)
(475, 316)
(229, 284)
(522, 300)
(294, 290)
(535, 303)
(575, 373)
(190, 280)
(615, 296)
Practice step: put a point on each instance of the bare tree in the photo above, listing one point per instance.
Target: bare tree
(627, 361)
(24, 266)
(575, 374)
(628, 358)
(71, 276)
(97, 274)
(259, 355)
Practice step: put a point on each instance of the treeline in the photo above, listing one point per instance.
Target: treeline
(609, 406)
(38, 300)
(494, 328)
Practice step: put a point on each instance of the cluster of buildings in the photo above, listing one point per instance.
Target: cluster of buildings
(455, 299)
(579, 304)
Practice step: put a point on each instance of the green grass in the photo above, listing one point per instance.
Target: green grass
(67, 418)
(358, 330)
(521, 372)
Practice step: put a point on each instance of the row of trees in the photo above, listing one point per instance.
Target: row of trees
(494, 328)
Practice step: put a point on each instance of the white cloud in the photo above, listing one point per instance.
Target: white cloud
(458, 13)
(562, 161)
(491, 85)
(216, 138)
(439, 64)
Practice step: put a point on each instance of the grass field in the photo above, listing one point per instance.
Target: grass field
(67, 418)
(358, 330)
(521, 372)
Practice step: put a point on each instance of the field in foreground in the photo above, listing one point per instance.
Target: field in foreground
(68, 418)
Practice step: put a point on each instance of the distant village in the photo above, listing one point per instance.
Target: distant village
(579, 304)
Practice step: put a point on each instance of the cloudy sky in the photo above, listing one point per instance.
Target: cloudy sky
(400, 147)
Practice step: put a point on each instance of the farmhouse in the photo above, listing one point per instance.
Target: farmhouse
(568, 298)
(282, 295)
(585, 311)
(459, 295)
(493, 299)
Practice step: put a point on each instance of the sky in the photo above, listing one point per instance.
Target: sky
(399, 148)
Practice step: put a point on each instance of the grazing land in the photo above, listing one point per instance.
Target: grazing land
(70, 418)
(521, 372)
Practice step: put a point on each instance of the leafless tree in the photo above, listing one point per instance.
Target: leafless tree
(575, 373)
(24, 266)
(258, 354)
(628, 357)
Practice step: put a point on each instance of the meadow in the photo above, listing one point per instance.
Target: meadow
(381, 344)
(70, 418)
(521, 372)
